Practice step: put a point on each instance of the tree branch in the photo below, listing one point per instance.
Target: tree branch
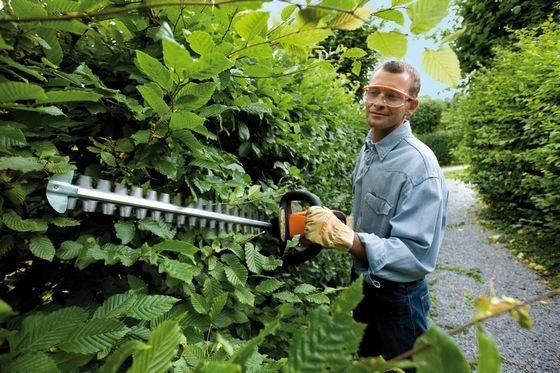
(459, 329)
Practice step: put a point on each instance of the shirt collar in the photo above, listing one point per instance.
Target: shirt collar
(390, 141)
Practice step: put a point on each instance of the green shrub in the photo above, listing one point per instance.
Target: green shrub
(441, 143)
(427, 118)
(510, 123)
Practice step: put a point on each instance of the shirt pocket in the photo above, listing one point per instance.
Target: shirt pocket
(377, 215)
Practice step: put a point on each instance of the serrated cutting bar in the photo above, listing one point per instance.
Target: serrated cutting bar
(62, 195)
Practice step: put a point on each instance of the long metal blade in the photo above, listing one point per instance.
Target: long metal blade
(60, 188)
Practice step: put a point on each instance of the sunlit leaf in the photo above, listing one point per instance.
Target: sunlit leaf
(345, 21)
(442, 65)
(426, 14)
(201, 42)
(251, 24)
(390, 44)
(443, 354)
(391, 15)
(489, 359)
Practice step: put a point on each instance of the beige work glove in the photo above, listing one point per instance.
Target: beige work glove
(324, 228)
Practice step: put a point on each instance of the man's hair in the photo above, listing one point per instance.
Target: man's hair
(399, 67)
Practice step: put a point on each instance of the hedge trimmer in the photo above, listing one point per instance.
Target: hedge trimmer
(109, 197)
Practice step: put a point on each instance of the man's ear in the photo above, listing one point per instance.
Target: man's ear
(411, 107)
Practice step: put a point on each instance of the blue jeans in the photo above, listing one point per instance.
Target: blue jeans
(394, 314)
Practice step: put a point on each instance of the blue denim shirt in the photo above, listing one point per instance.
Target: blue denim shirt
(399, 207)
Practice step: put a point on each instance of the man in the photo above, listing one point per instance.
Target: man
(399, 210)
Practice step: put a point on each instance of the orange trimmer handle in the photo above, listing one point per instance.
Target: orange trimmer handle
(297, 221)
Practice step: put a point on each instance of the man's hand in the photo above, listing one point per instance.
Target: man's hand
(324, 228)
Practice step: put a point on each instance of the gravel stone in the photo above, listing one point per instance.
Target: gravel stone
(468, 263)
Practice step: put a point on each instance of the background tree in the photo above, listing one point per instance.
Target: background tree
(509, 120)
(490, 23)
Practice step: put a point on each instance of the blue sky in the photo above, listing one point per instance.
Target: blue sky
(416, 46)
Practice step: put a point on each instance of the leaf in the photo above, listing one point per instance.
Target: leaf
(40, 332)
(244, 296)
(63, 222)
(251, 24)
(164, 342)
(42, 247)
(349, 298)
(69, 95)
(327, 342)
(34, 72)
(489, 359)
(188, 138)
(175, 56)
(125, 231)
(318, 298)
(452, 36)
(153, 96)
(390, 44)
(32, 362)
(16, 223)
(345, 21)
(209, 65)
(117, 358)
(237, 274)
(11, 137)
(185, 120)
(201, 42)
(218, 304)
(269, 285)
(5, 311)
(305, 289)
(391, 15)
(426, 14)
(148, 307)
(15, 91)
(306, 38)
(287, 296)
(23, 164)
(442, 65)
(193, 96)
(178, 270)
(442, 355)
(199, 303)
(115, 306)
(254, 259)
(94, 336)
(354, 53)
(154, 70)
(218, 367)
(69, 250)
(182, 247)
(159, 228)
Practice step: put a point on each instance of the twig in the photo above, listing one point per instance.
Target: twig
(415, 350)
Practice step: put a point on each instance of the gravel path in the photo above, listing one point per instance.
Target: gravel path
(468, 262)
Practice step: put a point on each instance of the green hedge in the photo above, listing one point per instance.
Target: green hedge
(510, 120)
(441, 143)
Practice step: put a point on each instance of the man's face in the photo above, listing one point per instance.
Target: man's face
(382, 118)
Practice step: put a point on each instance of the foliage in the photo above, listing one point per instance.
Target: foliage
(509, 120)
(442, 143)
(490, 23)
(427, 117)
(199, 102)
(344, 44)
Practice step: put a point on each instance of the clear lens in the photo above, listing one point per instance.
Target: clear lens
(389, 98)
